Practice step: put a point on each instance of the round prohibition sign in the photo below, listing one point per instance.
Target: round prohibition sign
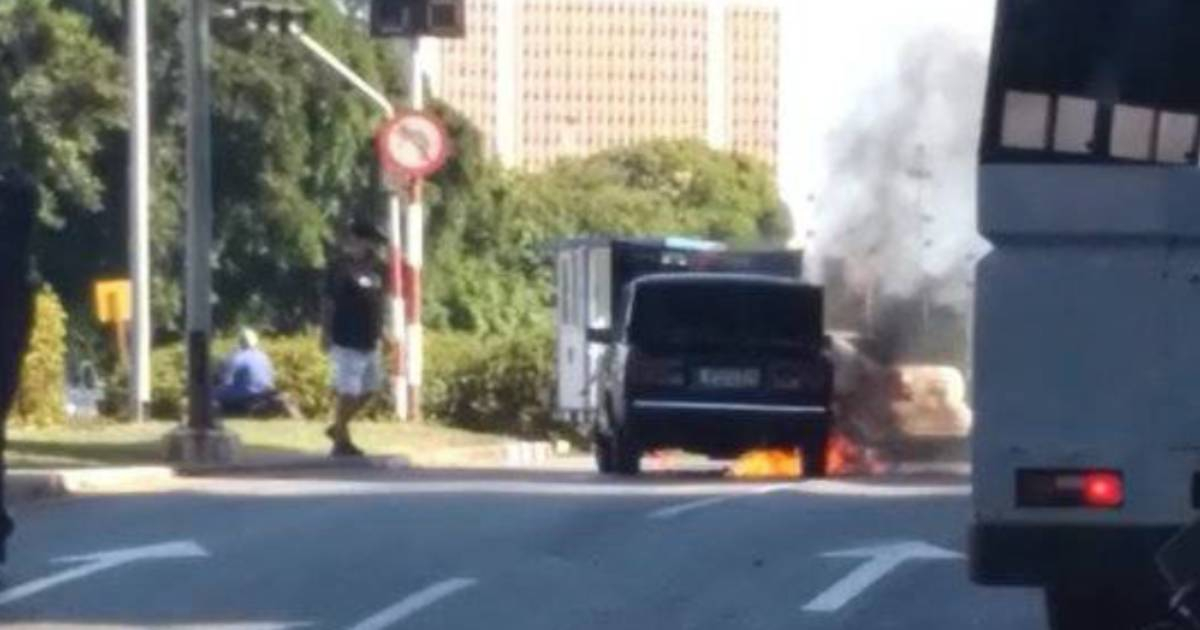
(413, 144)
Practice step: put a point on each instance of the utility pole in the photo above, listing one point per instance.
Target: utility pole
(921, 173)
(139, 207)
(200, 440)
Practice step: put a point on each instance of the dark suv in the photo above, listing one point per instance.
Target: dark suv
(715, 364)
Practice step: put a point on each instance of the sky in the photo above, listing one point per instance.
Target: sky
(837, 56)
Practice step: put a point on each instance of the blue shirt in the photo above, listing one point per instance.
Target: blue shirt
(247, 373)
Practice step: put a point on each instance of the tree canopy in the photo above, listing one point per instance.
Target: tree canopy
(291, 149)
(489, 270)
(292, 158)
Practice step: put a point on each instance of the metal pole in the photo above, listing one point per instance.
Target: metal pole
(139, 207)
(333, 62)
(414, 231)
(199, 221)
(399, 381)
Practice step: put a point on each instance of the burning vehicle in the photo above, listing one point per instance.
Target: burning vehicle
(679, 344)
(901, 411)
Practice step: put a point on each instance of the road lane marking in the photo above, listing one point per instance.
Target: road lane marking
(239, 625)
(880, 561)
(875, 489)
(414, 604)
(882, 488)
(103, 561)
(680, 509)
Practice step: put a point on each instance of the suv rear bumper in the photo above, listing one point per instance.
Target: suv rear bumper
(725, 428)
(1037, 555)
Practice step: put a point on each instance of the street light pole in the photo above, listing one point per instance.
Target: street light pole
(199, 218)
(139, 207)
(201, 440)
(404, 295)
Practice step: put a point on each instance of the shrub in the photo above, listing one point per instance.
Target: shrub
(491, 383)
(500, 384)
(168, 378)
(41, 399)
(302, 371)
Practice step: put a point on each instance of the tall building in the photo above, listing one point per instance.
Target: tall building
(545, 79)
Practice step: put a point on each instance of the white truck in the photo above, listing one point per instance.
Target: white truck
(1086, 444)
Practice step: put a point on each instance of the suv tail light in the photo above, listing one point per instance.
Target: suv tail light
(1099, 489)
(650, 372)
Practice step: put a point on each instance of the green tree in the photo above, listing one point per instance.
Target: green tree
(489, 272)
(61, 98)
(292, 150)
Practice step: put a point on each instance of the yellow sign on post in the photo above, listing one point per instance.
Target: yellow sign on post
(113, 307)
(112, 301)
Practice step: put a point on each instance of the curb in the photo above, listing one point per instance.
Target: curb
(512, 454)
(30, 485)
(295, 464)
(24, 486)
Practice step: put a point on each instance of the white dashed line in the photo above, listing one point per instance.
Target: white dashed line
(673, 511)
(414, 604)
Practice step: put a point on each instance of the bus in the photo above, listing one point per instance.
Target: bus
(1086, 445)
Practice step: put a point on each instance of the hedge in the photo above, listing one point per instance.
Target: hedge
(498, 384)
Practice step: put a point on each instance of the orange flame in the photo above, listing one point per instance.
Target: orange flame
(848, 458)
(841, 453)
(768, 463)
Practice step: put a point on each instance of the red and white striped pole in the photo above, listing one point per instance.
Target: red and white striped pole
(398, 286)
(414, 227)
(414, 239)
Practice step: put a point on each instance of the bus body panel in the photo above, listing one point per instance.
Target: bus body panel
(1088, 357)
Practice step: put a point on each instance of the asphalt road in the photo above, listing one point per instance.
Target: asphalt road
(525, 550)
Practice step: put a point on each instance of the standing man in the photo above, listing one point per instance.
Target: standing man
(352, 317)
(19, 200)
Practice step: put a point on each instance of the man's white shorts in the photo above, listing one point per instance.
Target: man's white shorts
(355, 372)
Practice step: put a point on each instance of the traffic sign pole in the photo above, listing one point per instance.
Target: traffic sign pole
(399, 380)
(396, 323)
(412, 145)
(414, 238)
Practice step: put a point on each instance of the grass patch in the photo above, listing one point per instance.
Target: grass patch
(103, 443)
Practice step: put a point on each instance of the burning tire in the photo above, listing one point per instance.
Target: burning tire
(626, 454)
(815, 456)
(615, 450)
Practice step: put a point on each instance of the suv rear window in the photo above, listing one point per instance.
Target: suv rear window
(722, 315)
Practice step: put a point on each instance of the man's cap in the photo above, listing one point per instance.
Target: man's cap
(362, 228)
(247, 338)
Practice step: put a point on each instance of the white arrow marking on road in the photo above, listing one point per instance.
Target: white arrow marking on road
(103, 561)
(414, 603)
(880, 561)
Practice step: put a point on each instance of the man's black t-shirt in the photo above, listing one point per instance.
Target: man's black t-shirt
(356, 289)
